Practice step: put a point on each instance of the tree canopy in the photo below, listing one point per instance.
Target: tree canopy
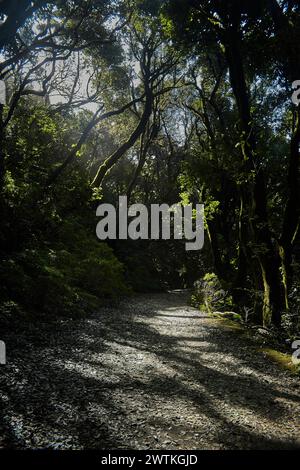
(163, 101)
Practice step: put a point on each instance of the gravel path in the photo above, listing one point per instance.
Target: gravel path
(152, 373)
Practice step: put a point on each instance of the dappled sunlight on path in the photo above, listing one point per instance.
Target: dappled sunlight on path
(152, 373)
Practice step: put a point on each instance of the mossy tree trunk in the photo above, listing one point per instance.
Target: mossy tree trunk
(256, 200)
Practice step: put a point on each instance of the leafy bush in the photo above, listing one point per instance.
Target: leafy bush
(209, 294)
(291, 318)
(51, 262)
(63, 280)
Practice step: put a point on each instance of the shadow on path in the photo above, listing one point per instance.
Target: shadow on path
(152, 373)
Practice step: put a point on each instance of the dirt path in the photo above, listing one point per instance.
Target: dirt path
(153, 373)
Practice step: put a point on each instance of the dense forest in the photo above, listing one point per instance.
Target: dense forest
(165, 102)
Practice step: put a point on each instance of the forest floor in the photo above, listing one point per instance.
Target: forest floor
(151, 373)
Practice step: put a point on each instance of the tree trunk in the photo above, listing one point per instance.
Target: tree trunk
(289, 50)
(115, 157)
(264, 250)
(2, 165)
(292, 211)
(241, 278)
(221, 268)
(138, 169)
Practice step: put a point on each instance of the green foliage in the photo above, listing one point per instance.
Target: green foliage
(141, 273)
(52, 262)
(219, 134)
(291, 318)
(210, 296)
(56, 281)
